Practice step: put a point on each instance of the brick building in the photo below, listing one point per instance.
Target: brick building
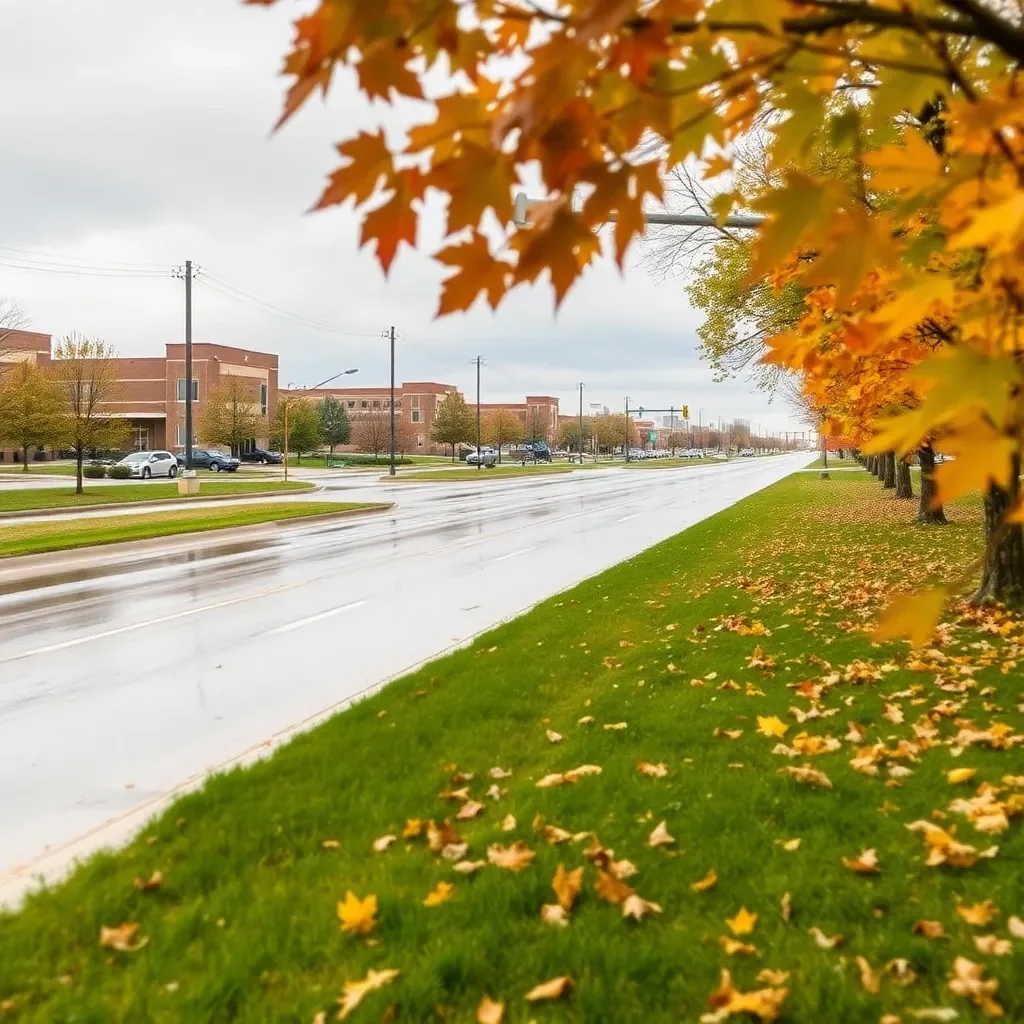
(152, 389)
(152, 393)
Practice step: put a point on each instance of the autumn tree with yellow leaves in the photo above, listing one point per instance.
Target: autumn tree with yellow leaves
(929, 285)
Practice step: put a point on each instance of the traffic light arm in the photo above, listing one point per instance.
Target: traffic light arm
(688, 220)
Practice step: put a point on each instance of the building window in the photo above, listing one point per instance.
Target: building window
(263, 399)
(419, 440)
(140, 438)
(415, 400)
(179, 436)
(351, 405)
(376, 403)
(416, 416)
(364, 405)
(181, 389)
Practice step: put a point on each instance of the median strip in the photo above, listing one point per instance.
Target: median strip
(67, 534)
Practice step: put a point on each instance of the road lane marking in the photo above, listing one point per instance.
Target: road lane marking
(309, 619)
(626, 519)
(512, 554)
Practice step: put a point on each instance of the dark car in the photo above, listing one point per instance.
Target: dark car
(202, 458)
(264, 458)
(534, 451)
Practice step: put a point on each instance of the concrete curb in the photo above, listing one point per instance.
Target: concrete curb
(15, 567)
(68, 511)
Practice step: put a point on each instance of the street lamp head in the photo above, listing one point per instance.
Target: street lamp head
(356, 370)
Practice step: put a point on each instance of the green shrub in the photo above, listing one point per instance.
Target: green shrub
(117, 472)
(369, 460)
(94, 471)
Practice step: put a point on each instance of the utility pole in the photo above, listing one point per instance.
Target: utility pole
(391, 470)
(479, 459)
(286, 404)
(188, 365)
(625, 447)
(581, 386)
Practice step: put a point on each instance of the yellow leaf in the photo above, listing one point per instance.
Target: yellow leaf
(331, 844)
(868, 977)
(865, 863)
(154, 881)
(912, 615)
(957, 775)
(992, 945)
(441, 893)
(997, 227)
(791, 845)
(980, 456)
(929, 929)
(470, 809)
(489, 1012)
(122, 938)
(909, 167)
(733, 947)
(611, 888)
(616, 726)
(743, 923)
(655, 771)
(355, 991)
(380, 845)
(978, 914)
(553, 737)
(707, 882)
(516, 857)
(772, 977)
(717, 165)
(567, 885)
(469, 867)
(413, 828)
(357, 916)
(553, 989)
(968, 980)
(508, 823)
(764, 1004)
(660, 836)
(771, 726)
(638, 908)
(823, 941)
(806, 774)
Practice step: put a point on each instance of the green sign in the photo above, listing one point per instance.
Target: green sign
(652, 436)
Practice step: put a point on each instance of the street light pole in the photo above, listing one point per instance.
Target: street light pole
(625, 425)
(391, 469)
(581, 386)
(287, 404)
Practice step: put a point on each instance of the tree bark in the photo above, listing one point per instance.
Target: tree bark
(889, 471)
(1002, 575)
(24, 458)
(904, 486)
(79, 489)
(925, 513)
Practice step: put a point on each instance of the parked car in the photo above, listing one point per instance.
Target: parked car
(262, 457)
(144, 465)
(203, 458)
(747, 453)
(486, 457)
(534, 451)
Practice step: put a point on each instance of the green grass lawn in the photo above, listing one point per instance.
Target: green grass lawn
(108, 494)
(320, 461)
(463, 472)
(671, 463)
(764, 610)
(64, 534)
(39, 468)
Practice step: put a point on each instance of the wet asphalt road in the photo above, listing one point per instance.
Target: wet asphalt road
(120, 683)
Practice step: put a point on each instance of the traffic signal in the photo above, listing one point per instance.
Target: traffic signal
(686, 412)
(641, 411)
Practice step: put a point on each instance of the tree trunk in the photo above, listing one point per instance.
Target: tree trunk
(904, 487)
(79, 489)
(925, 513)
(24, 458)
(1002, 575)
(889, 471)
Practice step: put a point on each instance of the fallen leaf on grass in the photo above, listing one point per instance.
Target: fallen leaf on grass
(939, 1013)
(761, 660)
(913, 616)
(806, 774)
(355, 991)
(498, 773)
(454, 851)
(154, 881)
(900, 972)
(1015, 926)
(585, 720)
(636, 907)
(611, 888)
(789, 845)
(733, 947)
(489, 1012)
(731, 734)
(469, 810)
(331, 844)
(553, 914)
(771, 725)
(495, 792)
(944, 849)
(660, 836)
(992, 945)
(440, 837)
(772, 977)
(655, 771)
(868, 978)
(357, 916)
(726, 1000)
(978, 914)
(893, 713)
(567, 885)
(469, 867)
(865, 863)
(441, 893)
(122, 938)
(516, 857)
(930, 929)
(553, 835)
(508, 823)
(707, 882)
(553, 737)
(786, 906)
(823, 941)
(455, 795)
(380, 845)
(413, 828)
(743, 923)
(616, 726)
(968, 980)
(553, 989)
(957, 775)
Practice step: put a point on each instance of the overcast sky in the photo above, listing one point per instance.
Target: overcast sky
(138, 132)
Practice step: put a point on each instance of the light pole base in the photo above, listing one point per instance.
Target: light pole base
(824, 475)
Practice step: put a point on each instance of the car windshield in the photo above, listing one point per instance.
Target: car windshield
(136, 457)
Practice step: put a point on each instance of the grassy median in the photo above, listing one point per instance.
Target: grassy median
(495, 472)
(753, 747)
(64, 534)
(30, 500)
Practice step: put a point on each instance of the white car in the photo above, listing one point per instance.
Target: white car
(486, 457)
(144, 465)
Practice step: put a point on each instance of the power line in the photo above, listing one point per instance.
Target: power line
(16, 263)
(46, 260)
(217, 284)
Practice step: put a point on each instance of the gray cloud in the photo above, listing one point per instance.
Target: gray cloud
(140, 132)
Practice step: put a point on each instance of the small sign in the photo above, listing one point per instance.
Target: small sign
(652, 436)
